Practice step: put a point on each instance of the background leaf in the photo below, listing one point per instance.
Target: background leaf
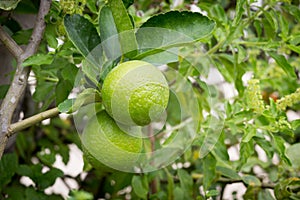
(82, 33)
(140, 186)
(186, 183)
(8, 167)
(283, 63)
(209, 170)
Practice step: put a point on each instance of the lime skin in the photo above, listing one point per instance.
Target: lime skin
(135, 93)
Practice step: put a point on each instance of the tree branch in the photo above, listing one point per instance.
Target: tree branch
(19, 82)
(38, 30)
(10, 44)
(21, 125)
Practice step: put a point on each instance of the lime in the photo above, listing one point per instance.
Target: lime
(135, 93)
(103, 141)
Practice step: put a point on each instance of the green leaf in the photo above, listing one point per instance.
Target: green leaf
(66, 106)
(239, 10)
(218, 14)
(38, 59)
(272, 21)
(284, 26)
(169, 56)
(230, 173)
(186, 182)
(293, 154)
(8, 167)
(265, 145)
(294, 48)
(42, 180)
(265, 195)
(209, 170)
(293, 10)
(242, 54)
(226, 67)
(109, 34)
(171, 29)
(62, 90)
(258, 28)
(140, 186)
(178, 193)
(3, 90)
(82, 33)
(47, 158)
(31, 171)
(91, 71)
(49, 178)
(9, 4)
(22, 36)
(220, 149)
(80, 195)
(170, 186)
(212, 193)
(64, 152)
(279, 145)
(125, 28)
(87, 96)
(127, 3)
(15, 192)
(43, 91)
(211, 137)
(251, 180)
(249, 133)
(27, 6)
(288, 188)
(91, 4)
(32, 194)
(69, 72)
(51, 35)
(247, 149)
(283, 63)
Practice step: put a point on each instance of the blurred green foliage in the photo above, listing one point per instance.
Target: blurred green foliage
(250, 40)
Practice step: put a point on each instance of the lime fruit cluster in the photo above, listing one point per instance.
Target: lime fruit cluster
(134, 94)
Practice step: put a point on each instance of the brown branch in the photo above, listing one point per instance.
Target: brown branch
(38, 30)
(10, 44)
(18, 85)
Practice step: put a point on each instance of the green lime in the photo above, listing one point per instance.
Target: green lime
(135, 93)
(105, 143)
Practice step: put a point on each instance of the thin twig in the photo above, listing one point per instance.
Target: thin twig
(21, 125)
(18, 85)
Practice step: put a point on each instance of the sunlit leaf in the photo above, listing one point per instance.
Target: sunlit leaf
(160, 33)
